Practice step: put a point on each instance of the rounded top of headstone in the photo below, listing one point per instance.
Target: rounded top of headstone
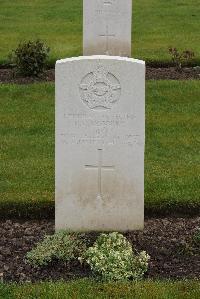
(100, 57)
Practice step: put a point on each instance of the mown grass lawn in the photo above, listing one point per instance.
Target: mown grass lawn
(89, 289)
(27, 148)
(157, 25)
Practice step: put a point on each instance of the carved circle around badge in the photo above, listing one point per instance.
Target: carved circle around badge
(100, 89)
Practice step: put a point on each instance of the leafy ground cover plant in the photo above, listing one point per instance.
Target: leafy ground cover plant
(62, 245)
(179, 58)
(111, 256)
(113, 259)
(30, 58)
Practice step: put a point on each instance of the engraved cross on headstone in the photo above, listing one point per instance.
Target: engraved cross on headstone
(100, 167)
(107, 35)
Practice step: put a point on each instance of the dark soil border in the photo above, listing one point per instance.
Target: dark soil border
(46, 210)
(149, 62)
(7, 75)
(169, 241)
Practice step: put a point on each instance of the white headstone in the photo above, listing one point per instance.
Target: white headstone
(107, 27)
(100, 135)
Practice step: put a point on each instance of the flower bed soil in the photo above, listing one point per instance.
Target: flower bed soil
(165, 73)
(169, 241)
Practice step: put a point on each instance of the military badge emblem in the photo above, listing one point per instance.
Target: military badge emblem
(100, 89)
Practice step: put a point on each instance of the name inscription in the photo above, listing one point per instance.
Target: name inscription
(87, 129)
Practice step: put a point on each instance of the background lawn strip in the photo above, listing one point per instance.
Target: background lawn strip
(86, 288)
(157, 25)
(27, 149)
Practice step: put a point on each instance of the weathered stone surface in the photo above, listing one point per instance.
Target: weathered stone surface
(100, 127)
(107, 27)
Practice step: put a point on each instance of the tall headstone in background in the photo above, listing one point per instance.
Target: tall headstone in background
(107, 27)
(100, 136)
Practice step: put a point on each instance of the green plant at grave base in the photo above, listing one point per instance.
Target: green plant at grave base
(190, 246)
(62, 245)
(30, 58)
(113, 259)
(196, 237)
(179, 58)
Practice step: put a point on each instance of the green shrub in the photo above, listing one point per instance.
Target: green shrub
(180, 58)
(62, 245)
(196, 237)
(112, 258)
(30, 58)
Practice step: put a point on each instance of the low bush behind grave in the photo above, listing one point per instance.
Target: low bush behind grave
(30, 58)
